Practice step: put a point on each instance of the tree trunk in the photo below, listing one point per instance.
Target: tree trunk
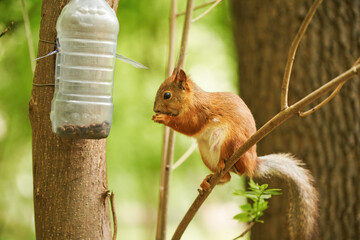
(69, 176)
(328, 140)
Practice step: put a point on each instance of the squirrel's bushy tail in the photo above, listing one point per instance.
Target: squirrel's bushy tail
(303, 212)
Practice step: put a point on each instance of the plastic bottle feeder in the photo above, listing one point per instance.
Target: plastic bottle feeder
(87, 37)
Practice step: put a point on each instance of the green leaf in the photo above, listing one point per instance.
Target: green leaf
(239, 192)
(253, 185)
(242, 217)
(273, 191)
(246, 207)
(263, 206)
(265, 196)
(252, 197)
(259, 195)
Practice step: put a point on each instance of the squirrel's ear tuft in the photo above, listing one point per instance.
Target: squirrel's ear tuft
(181, 79)
(181, 75)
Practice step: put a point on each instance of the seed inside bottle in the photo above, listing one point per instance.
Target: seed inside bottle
(92, 131)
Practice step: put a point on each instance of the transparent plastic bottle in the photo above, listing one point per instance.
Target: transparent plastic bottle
(87, 37)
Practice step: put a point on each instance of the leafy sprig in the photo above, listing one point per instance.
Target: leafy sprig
(251, 212)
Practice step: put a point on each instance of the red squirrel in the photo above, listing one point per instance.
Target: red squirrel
(221, 122)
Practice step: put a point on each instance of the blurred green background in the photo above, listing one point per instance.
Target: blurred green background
(134, 145)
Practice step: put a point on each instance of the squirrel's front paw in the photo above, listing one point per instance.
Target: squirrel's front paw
(161, 118)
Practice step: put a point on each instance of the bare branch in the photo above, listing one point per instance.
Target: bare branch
(172, 28)
(292, 52)
(272, 124)
(246, 230)
(207, 11)
(8, 28)
(168, 142)
(169, 134)
(185, 156)
(356, 62)
(332, 95)
(110, 195)
(113, 211)
(28, 35)
(197, 7)
(317, 107)
(185, 35)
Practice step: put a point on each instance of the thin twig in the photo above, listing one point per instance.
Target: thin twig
(246, 230)
(317, 107)
(292, 52)
(185, 156)
(332, 95)
(111, 196)
(169, 134)
(207, 11)
(272, 124)
(197, 7)
(28, 35)
(172, 28)
(168, 142)
(185, 34)
(114, 214)
(165, 186)
(8, 28)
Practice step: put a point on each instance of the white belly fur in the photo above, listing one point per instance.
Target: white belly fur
(209, 142)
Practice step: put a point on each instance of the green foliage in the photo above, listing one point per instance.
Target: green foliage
(259, 195)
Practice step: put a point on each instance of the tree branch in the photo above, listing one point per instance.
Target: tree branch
(246, 230)
(292, 52)
(207, 11)
(317, 107)
(28, 36)
(197, 7)
(332, 95)
(112, 201)
(172, 28)
(169, 134)
(185, 34)
(268, 127)
(185, 156)
(165, 184)
(168, 142)
(8, 28)
(111, 196)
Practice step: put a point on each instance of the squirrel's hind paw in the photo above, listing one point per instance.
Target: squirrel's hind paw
(205, 185)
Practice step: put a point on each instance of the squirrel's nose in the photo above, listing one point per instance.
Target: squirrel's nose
(156, 109)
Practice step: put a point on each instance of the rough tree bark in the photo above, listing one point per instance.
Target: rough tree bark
(70, 181)
(328, 140)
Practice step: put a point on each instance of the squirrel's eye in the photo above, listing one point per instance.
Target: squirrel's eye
(167, 95)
